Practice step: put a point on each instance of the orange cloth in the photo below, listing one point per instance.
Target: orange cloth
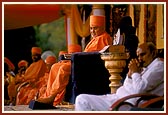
(9, 63)
(11, 90)
(36, 50)
(19, 78)
(97, 20)
(24, 98)
(58, 80)
(23, 63)
(22, 95)
(74, 48)
(60, 72)
(35, 70)
(37, 88)
(98, 43)
(33, 73)
(50, 60)
(42, 84)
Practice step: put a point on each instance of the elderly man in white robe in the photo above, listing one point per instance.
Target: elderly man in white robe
(146, 75)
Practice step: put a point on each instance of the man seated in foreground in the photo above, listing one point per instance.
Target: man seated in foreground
(145, 75)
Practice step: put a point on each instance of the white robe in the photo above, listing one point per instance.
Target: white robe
(151, 80)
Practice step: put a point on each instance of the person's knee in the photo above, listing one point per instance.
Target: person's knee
(81, 98)
(65, 67)
(82, 103)
(78, 98)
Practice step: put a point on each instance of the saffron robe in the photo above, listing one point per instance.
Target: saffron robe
(32, 75)
(60, 72)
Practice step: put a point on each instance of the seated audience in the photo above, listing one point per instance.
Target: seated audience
(19, 79)
(33, 73)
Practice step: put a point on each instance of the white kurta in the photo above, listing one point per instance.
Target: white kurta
(151, 80)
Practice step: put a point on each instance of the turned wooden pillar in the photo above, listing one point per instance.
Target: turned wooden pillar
(115, 61)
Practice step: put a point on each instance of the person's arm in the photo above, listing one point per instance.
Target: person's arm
(149, 80)
(35, 71)
(134, 67)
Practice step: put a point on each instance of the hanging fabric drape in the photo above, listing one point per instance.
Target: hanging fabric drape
(73, 34)
(83, 30)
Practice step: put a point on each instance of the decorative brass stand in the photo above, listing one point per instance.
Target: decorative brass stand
(115, 61)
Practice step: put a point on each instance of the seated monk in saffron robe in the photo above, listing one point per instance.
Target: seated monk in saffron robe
(60, 72)
(9, 80)
(38, 68)
(22, 66)
(32, 74)
(19, 79)
(41, 84)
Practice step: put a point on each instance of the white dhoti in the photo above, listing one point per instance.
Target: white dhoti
(85, 102)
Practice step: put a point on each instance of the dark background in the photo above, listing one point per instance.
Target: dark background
(18, 44)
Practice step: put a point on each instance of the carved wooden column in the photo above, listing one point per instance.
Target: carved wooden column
(115, 61)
